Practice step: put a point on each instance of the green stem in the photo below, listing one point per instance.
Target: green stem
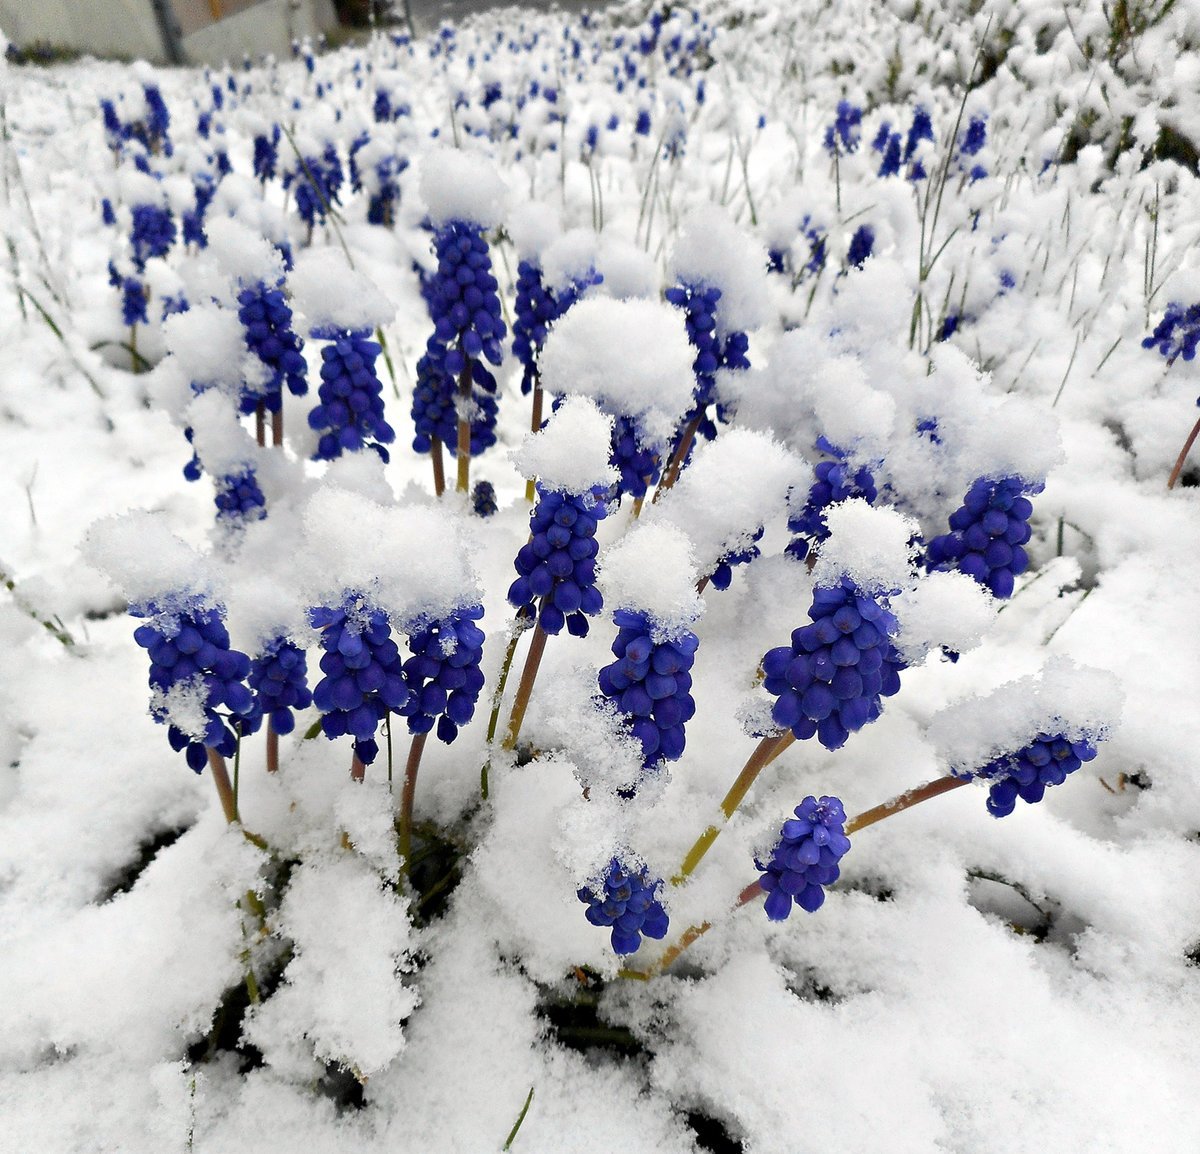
(512, 1134)
(767, 751)
(498, 698)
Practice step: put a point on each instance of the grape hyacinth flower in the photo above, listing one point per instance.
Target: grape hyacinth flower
(1177, 334)
(267, 320)
(239, 498)
(987, 533)
(483, 499)
(836, 481)
(650, 682)
(805, 859)
(700, 304)
(843, 134)
(152, 233)
(1025, 773)
(364, 675)
(862, 245)
(535, 311)
(194, 673)
(722, 575)
(349, 416)
(558, 564)
(829, 681)
(468, 328)
(279, 676)
(443, 673)
(626, 900)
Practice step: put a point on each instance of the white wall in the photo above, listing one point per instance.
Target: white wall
(104, 27)
(130, 28)
(267, 27)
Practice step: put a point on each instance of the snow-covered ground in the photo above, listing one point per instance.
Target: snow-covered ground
(970, 983)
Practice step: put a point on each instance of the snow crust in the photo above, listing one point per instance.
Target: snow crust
(571, 453)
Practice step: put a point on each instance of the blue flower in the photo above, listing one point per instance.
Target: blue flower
(650, 682)
(267, 320)
(194, 672)
(443, 674)
(558, 565)
(1025, 773)
(836, 481)
(862, 244)
(987, 533)
(1177, 334)
(805, 859)
(152, 234)
(843, 135)
(349, 416)
(239, 498)
(279, 676)
(628, 902)
(829, 681)
(364, 676)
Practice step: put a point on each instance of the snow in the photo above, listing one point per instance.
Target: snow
(969, 984)
(457, 185)
(571, 453)
(588, 352)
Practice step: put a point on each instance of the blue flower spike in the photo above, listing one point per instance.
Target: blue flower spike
(627, 900)
(805, 860)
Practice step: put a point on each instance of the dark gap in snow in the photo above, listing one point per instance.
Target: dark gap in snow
(574, 1021)
(712, 1135)
(126, 878)
(436, 870)
(1010, 902)
(342, 1088)
(226, 1033)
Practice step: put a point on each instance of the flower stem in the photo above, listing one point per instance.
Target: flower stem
(358, 770)
(905, 801)
(464, 428)
(533, 660)
(439, 468)
(671, 473)
(868, 817)
(407, 797)
(498, 698)
(220, 776)
(1187, 448)
(535, 423)
(272, 749)
(277, 428)
(260, 424)
(766, 752)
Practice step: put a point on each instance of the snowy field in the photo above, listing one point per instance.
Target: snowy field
(838, 316)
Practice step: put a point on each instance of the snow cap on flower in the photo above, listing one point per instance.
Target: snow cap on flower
(242, 253)
(412, 562)
(868, 544)
(570, 454)
(632, 356)
(532, 227)
(1079, 702)
(464, 186)
(941, 609)
(209, 345)
(713, 252)
(652, 570)
(734, 485)
(140, 555)
(221, 442)
(332, 295)
(571, 257)
(628, 271)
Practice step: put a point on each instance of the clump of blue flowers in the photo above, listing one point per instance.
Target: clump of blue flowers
(558, 564)
(987, 533)
(829, 681)
(1025, 773)
(350, 416)
(805, 859)
(267, 319)
(279, 676)
(364, 676)
(1177, 334)
(194, 674)
(650, 682)
(837, 480)
(443, 673)
(627, 900)
(239, 498)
